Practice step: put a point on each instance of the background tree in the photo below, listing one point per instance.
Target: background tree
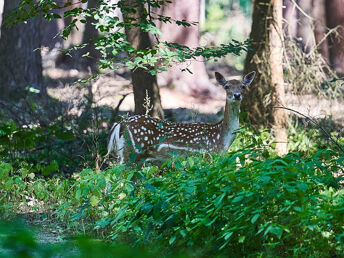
(290, 14)
(143, 81)
(266, 58)
(89, 37)
(144, 61)
(335, 17)
(196, 82)
(305, 32)
(320, 29)
(20, 65)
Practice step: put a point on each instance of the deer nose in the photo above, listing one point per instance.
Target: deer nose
(237, 96)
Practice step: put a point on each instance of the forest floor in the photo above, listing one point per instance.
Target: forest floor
(110, 88)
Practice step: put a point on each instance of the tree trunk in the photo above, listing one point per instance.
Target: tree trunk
(319, 15)
(257, 98)
(304, 29)
(20, 64)
(277, 83)
(89, 34)
(335, 17)
(197, 82)
(1, 10)
(142, 80)
(290, 17)
(266, 58)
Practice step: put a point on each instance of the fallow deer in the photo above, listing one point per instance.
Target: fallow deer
(151, 138)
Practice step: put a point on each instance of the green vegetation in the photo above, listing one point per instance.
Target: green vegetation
(248, 202)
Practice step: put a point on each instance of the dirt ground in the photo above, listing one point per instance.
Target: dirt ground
(110, 88)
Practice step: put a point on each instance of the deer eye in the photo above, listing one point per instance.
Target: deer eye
(226, 87)
(243, 87)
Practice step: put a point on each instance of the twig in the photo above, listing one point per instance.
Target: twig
(115, 112)
(302, 11)
(324, 38)
(315, 123)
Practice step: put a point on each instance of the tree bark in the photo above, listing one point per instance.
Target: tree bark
(319, 15)
(335, 17)
(257, 98)
(266, 58)
(304, 29)
(198, 82)
(89, 34)
(277, 82)
(142, 80)
(20, 57)
(290, 16)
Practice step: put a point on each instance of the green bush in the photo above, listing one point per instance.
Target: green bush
(248, 202)
(240, 204)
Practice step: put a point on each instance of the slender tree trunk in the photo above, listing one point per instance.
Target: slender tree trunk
(304, 29)
(142, 80)
(277, 83)
(1, 10)
(20, 57)
(335, 17)
(290, 16)
(266, 58)
(319, 15)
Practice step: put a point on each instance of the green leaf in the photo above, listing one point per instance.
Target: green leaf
(297, 208)
(94, 200)
(238, 198)
(241, 239)
(265, 179)
(172, 239)
(254, 218)
(129, 187)
(302, 186)
(32, 89)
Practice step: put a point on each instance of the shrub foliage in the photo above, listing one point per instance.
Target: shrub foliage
(243, 203)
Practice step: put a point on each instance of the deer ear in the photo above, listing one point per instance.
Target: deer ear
(220, 79)
(248, 78)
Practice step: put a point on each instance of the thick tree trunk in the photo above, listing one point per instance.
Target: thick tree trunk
(257, 98)
(335, 17)
(142, 80)
(20, 57)
(277, 83)
(266, 58)
(197, 82)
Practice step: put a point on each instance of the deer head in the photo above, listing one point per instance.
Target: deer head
(234, 88)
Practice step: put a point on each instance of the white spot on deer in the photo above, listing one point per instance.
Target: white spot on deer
(218, 137)
(146, 138)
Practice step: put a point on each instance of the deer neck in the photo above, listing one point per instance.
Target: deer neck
(230, 124)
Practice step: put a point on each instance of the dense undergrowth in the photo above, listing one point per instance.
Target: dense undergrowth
(248, 202)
